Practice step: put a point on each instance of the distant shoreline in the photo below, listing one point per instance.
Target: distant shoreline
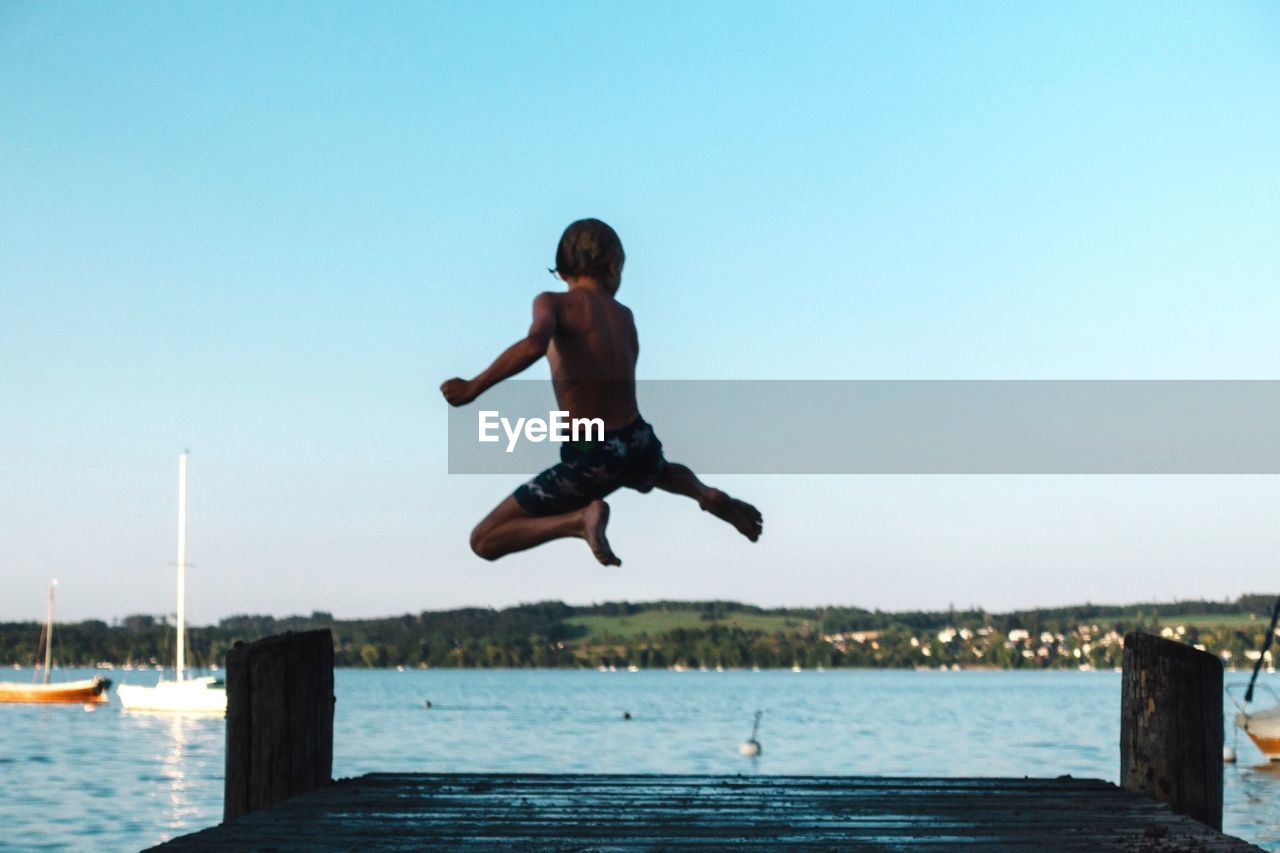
(685, 635)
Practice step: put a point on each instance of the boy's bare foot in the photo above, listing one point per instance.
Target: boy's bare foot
(594, 520)
(745, 518)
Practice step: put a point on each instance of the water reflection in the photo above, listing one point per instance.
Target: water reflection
(184, 766)
(1249, 806)
(174, 770)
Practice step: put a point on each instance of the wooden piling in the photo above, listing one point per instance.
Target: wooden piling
(279, 719)
(1171, 725)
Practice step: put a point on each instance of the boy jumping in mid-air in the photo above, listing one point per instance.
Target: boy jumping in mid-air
(590, 340)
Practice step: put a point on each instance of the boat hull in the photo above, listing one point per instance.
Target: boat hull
(89, 691)
(1263, 728)
(193, 696)
(1270, 746)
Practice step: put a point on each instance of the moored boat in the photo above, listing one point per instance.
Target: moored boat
(182, 694)
(86, 691)
(1263, 728)
(205, 695)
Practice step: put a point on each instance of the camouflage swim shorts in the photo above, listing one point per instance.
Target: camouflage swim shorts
(588, 470)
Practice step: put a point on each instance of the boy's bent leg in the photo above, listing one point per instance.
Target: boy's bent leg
(679, 479)
(510, 528)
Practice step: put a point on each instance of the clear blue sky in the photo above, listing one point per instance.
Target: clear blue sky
(268, 231)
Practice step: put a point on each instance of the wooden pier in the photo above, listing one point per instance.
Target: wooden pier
(278, 797)
(385, 811)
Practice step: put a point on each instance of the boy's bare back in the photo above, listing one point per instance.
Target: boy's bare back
(592, 353)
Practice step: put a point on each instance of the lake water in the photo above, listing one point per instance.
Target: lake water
(71, 778)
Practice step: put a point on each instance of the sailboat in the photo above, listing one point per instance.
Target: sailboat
(1261, 725)
(1263, 728)
(182, 694)
(86, 691)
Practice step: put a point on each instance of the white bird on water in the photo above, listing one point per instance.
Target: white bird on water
(751, 746)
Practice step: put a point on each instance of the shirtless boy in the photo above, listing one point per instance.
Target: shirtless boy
(590, 340)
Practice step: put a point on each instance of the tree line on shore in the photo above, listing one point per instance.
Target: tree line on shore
(545, 635)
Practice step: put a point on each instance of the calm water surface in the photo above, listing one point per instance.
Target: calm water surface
(71, 778)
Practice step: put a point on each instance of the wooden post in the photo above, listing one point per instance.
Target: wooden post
(1171, 725)
(279, 719)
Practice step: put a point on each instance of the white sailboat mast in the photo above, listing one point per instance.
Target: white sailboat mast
(48, 635)
(182, 565)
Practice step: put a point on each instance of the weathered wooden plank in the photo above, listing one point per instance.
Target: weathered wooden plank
(1171, 725)
(492, 811)
(279, 719)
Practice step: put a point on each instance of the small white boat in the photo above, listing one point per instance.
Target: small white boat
(183, 695)
(205, 695)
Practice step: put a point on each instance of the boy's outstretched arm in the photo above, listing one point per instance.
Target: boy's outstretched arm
(513, 360)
